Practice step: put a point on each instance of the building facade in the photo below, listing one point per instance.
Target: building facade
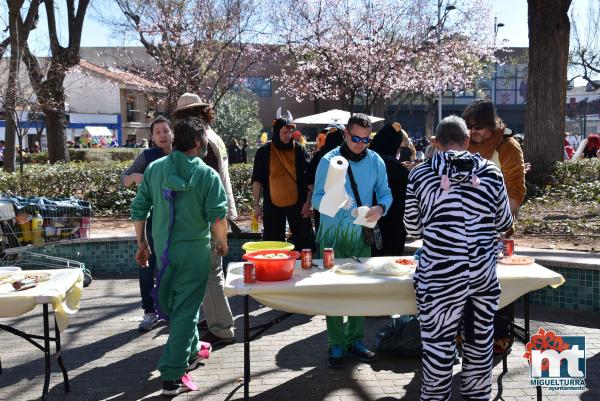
(122, 102)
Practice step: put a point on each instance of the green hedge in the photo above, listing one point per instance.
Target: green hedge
(96, 182)
(241, 176)
(99, 183)
(88, 155)
(574, 181)
(575, 172)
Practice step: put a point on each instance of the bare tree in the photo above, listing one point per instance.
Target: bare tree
(549, 30)
(202, 46)
(584, 57)
(49, 85)
(19, 30)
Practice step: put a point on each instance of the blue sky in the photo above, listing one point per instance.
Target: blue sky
(512, 13)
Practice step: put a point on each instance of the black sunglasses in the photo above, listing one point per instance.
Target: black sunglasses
(475, 127)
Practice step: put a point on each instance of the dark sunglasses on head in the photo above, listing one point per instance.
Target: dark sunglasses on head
(357, 139)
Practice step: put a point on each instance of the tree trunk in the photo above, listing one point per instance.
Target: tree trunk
(9, 144)
(10, 100)
(55, 133)
(549, 31)
(54, 112)
(429, 119)
(317, 104)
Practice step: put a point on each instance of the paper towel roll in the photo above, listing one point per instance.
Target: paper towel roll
(335, 187)
(336, 173)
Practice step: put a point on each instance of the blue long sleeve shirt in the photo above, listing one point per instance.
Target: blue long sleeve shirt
(371, 177)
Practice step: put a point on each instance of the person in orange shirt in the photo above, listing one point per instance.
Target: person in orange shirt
(279, 178)
(321, 138)
(493, 141)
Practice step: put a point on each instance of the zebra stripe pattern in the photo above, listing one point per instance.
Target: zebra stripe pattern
(459, 225)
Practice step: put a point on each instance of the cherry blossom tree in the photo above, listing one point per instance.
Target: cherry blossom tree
(453, 51)
(367, 52)
(201, 46)
(346, 50)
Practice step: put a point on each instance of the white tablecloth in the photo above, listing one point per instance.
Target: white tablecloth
(324, 292)
(63, 290)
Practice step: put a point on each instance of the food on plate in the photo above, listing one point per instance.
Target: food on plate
(516, 260)
(24, 284)
(272, 256)
(25, 281)
(392, 268)
(406, 261)
(352, 268)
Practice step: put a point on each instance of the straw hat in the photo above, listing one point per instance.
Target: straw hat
(189, 101)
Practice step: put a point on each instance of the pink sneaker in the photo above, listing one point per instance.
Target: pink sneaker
(204, 353)
(185, 384)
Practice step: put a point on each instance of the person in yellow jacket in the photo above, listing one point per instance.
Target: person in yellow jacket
(493, 141)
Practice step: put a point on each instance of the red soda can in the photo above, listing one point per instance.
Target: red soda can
(328, 258)
(509, 247)
(249, 273)
(306, 258)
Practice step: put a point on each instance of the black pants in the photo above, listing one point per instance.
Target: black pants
(147, 274)
(502, 321)
(274, 225)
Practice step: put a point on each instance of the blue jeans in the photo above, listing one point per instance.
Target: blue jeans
(146, 274)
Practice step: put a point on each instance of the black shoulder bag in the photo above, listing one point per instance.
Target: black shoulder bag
(372, 236)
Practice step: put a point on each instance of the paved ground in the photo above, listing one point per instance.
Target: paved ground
(109, 360)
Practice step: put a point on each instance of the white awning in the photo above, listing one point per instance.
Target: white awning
(98, 131)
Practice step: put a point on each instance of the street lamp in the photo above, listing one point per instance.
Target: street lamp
(438, 33)
(497, 26)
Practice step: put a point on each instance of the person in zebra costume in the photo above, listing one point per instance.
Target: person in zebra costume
(457, 202)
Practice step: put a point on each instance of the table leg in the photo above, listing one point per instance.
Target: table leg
(59, 358)
(46, 353)
(526, 317)
(246, 349)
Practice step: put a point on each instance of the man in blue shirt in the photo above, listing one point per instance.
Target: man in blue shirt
(339, 232)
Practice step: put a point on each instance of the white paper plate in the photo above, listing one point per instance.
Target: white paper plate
(12, 269)
(516, 260)
(7, 272)
(353, 268)
(36, 277)
(399, 270)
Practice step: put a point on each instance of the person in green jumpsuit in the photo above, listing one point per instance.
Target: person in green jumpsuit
(189, 203)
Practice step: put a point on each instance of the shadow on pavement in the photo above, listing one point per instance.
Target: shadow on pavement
(137, 367)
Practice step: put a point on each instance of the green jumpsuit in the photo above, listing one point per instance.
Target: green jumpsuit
(198, 200)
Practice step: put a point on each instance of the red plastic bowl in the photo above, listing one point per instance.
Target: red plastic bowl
(273, 269)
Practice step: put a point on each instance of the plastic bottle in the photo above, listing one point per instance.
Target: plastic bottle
(48, 229)
(254, 225)
(84, 228)
(37, 230)
(24, 222)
